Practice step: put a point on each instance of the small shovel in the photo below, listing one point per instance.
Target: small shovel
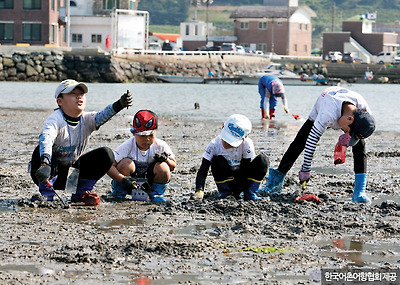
(62, 201)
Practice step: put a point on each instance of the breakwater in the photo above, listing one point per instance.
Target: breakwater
(92, 65)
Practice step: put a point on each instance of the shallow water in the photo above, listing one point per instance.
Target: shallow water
(217, 101)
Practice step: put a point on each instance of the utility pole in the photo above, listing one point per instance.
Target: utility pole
(333, 15)
(288, 28)
(207, 2)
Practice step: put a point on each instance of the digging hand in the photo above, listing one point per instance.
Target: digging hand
(43, 173)
(129, 183)
(304, 176)
(198, 195)
(161, 157)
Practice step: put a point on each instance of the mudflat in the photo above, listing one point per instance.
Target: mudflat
(268, 241)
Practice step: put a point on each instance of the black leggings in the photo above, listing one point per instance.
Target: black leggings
(255, 170)
(92, 165)
(299, 143)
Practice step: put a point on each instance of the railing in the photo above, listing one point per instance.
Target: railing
(209, 53)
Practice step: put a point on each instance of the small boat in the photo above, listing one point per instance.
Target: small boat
(180, 78)
(287, 76)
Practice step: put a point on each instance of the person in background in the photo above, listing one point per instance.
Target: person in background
(234, 166)
(63, 140)
(143, 159)
(336, 108)
(271, 87)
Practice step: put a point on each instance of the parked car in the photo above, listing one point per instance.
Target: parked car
(228, 47)
(154, 46)
(396, 60)
(384, 57)
(335, 56)
(249, 50)
(213, 48)
(350, 57)
(240, 49)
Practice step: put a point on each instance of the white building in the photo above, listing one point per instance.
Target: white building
(92, 21)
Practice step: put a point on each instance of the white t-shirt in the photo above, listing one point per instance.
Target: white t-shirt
(328, 107)
(129, 149)
(232, 155)
(68, 142)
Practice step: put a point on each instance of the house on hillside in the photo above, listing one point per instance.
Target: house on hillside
(357, 36)
(279, 26)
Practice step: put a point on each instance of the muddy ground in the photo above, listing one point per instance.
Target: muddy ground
(212, 242)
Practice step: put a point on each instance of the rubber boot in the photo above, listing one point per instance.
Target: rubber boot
(118, 190)
(271, 114)
(46, 192)
(359, 195)
(262, 114)
(157, 192)
(250, 192)
(84, 185)
(224, 189)
(274, 184)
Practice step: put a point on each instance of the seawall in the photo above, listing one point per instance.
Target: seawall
(92, 65)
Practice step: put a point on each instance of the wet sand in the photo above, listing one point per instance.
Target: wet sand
(209, 242)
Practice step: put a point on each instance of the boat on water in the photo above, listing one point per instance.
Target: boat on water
(287, 76)
(180, 78)
(196, 79)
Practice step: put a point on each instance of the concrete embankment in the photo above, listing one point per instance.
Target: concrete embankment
(92, 65)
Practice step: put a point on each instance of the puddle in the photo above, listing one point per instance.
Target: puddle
(27, 268)
(360, 251)
(110, 225)
(191, 231)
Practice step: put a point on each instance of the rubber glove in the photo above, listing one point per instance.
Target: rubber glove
(129, 183)
(304, 176)
(286, 109)
(126, 100)
(161, 157)
(344, 140)
(43, 173)
(198, 195)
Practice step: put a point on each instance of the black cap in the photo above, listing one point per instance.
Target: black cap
(363, 127)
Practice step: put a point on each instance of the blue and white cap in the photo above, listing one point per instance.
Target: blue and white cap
(236, 129)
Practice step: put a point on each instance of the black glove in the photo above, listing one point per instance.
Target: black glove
(43, 173)
(126, 100)
(129, 183)
(161, 157)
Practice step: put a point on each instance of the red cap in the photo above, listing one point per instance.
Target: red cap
(144, 123)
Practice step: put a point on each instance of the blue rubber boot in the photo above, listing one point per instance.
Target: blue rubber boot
(224, 189)
(46, 192)
(84, 185)
(274, 184)
(118, 190)
(157, 192)
(250, 192)
(359, 195)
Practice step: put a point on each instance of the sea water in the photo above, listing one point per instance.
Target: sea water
(216, 101)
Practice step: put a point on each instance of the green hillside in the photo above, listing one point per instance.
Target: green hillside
(329, 16)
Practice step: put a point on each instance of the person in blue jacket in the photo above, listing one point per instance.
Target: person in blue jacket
(271, 87)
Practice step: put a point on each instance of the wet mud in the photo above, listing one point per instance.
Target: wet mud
(269, 241)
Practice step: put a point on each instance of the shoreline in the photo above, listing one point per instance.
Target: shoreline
(209, 242)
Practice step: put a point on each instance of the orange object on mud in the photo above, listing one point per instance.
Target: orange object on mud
(339, 154)
(296, 117)
(91, 199)
(309, 198)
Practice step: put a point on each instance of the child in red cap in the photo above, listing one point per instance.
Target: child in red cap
(142, 160)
